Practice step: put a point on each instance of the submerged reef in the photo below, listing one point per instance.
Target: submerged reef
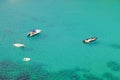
(23, 76)
(110, 76)
(90, 76)
(12, 71)
(70, 74)
(3, 77)
(114, 66)
(8, 69)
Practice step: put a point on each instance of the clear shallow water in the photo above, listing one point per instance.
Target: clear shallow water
(59, 47)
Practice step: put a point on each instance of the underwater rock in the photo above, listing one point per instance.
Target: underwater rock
(71, 74)
(43, 76)
(109, 76)
(23, 76)
(64, 75)
(8, 65)
(114, 66)
(56, 76)
(2, 77)
(5, 63)
(39, 72)
(90, 77)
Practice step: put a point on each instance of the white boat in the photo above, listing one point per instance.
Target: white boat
(89, 40)
(18, 45)
(34, 32)
(26, 59)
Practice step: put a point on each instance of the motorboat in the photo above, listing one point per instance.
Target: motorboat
(18, 45)
(86, 41)
(34, 32)
(26, 59)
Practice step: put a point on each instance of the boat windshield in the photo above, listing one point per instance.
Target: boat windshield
(33, 31)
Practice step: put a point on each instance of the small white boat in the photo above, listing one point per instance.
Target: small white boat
(86, 41)
(18, 45)
(34, 32)
(26, 59)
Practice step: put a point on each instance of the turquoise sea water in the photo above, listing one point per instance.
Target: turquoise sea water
(58, 53)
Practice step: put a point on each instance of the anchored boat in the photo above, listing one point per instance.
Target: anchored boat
(18, 45)
(26, 59)
(86, 41)
(34, 32)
